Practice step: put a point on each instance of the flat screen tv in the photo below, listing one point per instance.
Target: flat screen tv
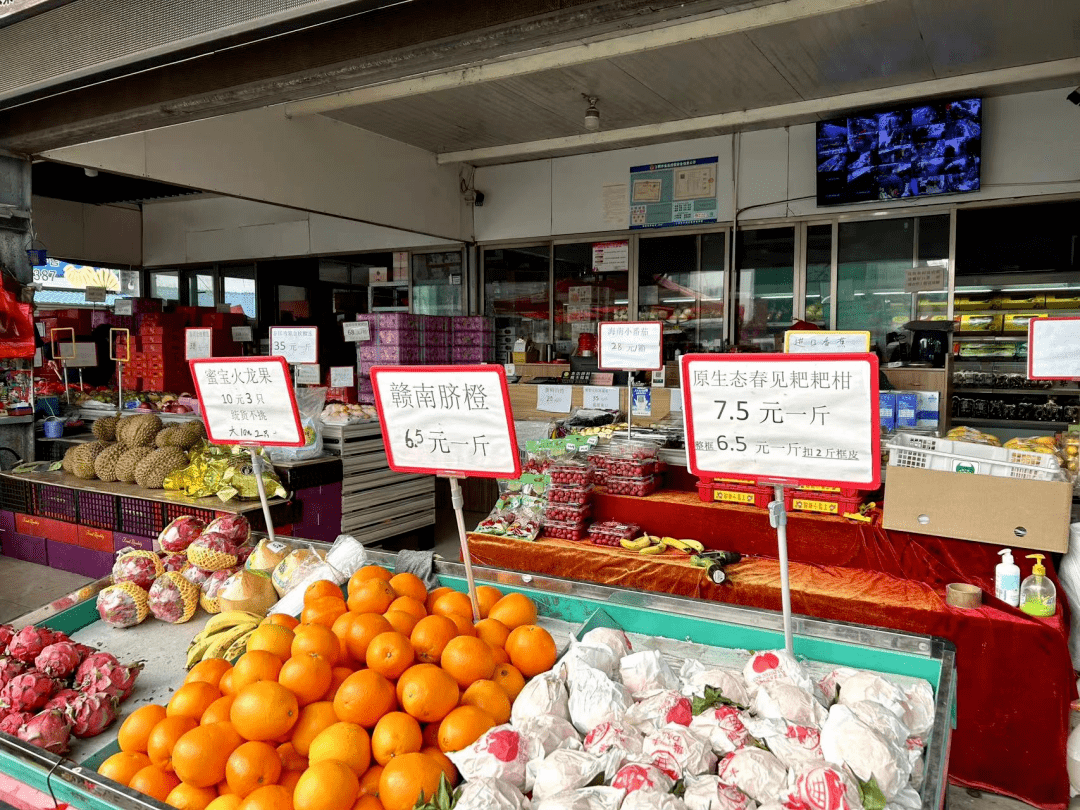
(915, 151)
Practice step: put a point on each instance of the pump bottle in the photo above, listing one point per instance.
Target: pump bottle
(1038, 596)
(1007, 579)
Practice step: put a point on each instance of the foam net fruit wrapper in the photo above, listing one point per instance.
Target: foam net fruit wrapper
(487, 793)
(501, 753)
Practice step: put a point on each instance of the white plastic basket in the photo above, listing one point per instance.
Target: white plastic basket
(932, 453)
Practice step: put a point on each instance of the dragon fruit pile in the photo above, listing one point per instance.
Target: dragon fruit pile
(52, 688)
(610, 728)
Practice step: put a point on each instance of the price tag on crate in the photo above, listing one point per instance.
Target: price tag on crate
(447, 420)
(297, 344)
(809, 341)
(342, 376)
(785, 419)
(631, 345)
(1052, 353)
(357, 331)
(248, 400)
(197, 343)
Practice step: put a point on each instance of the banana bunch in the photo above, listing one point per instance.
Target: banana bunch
(653, 544)
(224, 636)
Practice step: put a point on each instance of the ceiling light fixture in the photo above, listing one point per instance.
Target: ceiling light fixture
(592, 115)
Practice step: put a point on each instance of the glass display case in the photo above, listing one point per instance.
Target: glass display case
(437, 283)
(764, 287)
(516, 290)
(589, 287)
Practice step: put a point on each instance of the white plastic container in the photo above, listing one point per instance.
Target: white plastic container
(1007, 579)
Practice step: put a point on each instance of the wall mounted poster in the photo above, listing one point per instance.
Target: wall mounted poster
(681, 192)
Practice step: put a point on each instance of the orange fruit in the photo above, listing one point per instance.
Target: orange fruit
(531, 649)
(427, 692)
(514, 610)
(159, 745)
(431, 736)
(337, 678)
(326, 785)
(406, 584)
(251, 766)
(318, 639)
(254, 666)
(368, 803)
(209, 670)
(406, 604)
(390, 654)
(218, 711)
(135, 730)
(264, 710)
(401, 621)
(369, 781)
(322, 587)
(490, 697)
(462, 727)
(341, 625)
(199, 756)
(306, 676)
(313, 720)
(223, 789)
(463, 624)
(510, 679)
(364, 628)
(290, 758)
(408, 674)
(120, 767)
(226, 683)
(364, 697)
(371, 596)
(268, 797)
(429, 603)
(453, 602)
(189, 797)
(492, 631)
(154, 782)
(283, 619)
(395, 734)
(192, 699)
(487, 596)
(226, 801)
(467, 659)
(273, 638)
(324, 610)
(500, 655)
(430, 637)
(369, 572)
(289, 779)
(345, 742)
(408, 779)
(447, 766)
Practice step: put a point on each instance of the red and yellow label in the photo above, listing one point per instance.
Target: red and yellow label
(733, 497)
(815, 506)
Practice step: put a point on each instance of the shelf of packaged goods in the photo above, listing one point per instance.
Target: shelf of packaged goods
(1019, 424)
(1053, 312)
(1072, 392)
(975, 335)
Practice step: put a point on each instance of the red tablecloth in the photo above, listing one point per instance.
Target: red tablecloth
(1014, 674)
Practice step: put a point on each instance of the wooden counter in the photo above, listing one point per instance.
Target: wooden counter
(523, 403)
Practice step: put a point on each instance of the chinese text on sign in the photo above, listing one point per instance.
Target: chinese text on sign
(248, 400)
(297, 344)
(632, 345)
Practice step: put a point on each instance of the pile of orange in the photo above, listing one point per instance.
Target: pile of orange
(351, 707)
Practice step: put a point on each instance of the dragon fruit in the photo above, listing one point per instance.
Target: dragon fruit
(174, 562)
(235, 528)
(102, 673)
(208, 599)
(58, 660)
(14, 721)
(122, 605)
(27, 644)
(84, 650)
(50, 730)
(180, 534)
(212, 551)
(9, 668)
(28, 691)
(90, 714)
(6, 632)
(61, 700)
(140, 567)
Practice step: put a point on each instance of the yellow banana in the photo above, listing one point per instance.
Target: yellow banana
(238, 647)
(638, 543)
(685, 546)
(230, 618)
(197, 650)
(223, 640)
(658, 548)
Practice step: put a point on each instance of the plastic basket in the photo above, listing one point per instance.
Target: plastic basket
(59, 503)
(16, 495)
(175, 510)
(97, 509)
(825, 503)
(946, 455)
(141, 517)
(725, 492)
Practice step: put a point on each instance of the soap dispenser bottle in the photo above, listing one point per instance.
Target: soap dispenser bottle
(1007, 579)
(1038, 596)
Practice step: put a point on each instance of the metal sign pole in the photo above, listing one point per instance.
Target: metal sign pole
(778, 520)
(458, 503)
(629, 403)
(67, 390)
(257, 468)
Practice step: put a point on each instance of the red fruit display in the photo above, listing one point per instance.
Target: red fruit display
(50, 730)
(58, 660)
(181, 533)
(90, 714)
(140, 567)
(28, 691)
(14, 721)
(61, 700)
(27, 644)
(235, 528)
(9, 668)
(6, 632)
(101, 672)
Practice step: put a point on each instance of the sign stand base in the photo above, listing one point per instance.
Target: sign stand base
(257, 468)
(778, 520)
(458, 502)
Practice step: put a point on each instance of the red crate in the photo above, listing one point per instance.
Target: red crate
(96, 539)
(59, 503)
(141, 517)
(45, 527)
(97, 509)
(727, 492)
(826, 503)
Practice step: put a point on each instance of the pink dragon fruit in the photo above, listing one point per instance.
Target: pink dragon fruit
(140, 567)
(235, 528)
(50, 730)
(61, 700)
(27, 644)
(174, 562)
(179, 534)
(6, 632)
(58, 660)
(90, 714)
(84, 650)
(102, 673)
(14, 721)
(28, 691)
(9, 668)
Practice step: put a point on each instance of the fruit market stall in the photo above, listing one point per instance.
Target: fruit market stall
(644, 707)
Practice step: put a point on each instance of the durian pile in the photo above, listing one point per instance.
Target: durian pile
(134, 450)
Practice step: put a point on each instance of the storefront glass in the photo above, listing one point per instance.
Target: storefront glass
(165, 285)
(437, 283)
(764, 287)
(516, 290)
(238, 288)
(200, 288)
(588, 289)
(818, 275)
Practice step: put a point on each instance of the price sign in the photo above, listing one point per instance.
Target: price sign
(601, 399)
(554, 398)
(66, 349)
(85, 356)
(804, 420)
(123, 306)
(241, 334)
(447, 420)
(1052, 344)
(342, 376)
(94, 295)
(631, 345)
(307, 374)
(810, 341)
(197, 343)
(297, 344)
(357, 331)
(248, 400)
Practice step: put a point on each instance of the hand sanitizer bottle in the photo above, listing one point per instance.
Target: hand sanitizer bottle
(1007, 579)
(1038, 596)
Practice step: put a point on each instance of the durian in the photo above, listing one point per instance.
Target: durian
(105, 463)
(125, 465)
(190, 433)
(83, 459)
(105, 429)
(151, 471)
(168, 437)
(67, 465)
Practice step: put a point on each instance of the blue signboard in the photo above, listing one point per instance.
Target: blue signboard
(680, 192)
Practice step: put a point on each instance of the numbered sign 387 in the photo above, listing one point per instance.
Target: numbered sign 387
(808, 419)
(447, 420)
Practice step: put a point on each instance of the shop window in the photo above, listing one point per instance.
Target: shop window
(238, 289)
(764, 287)
(201, 289)
(437, 283)
(516, 291)
(591, 285)
(293, 304)
(818, 275)
(165, 284)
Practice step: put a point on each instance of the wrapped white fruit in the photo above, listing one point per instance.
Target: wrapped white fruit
(678, 752)
(696, 677)
(792, 743)
(501, 753)
(646, 672)
(723, 727)
(705, 792)
(661, 709)
(881, 720)
(776, 665)
(614, 640)
(846, 740)
(596, 656)
(755, 772)
(544, 694)
(641, 800)
(820, 786)
(637, 777)
(486, 793)
(590, 798)
(563, 770)
(868, 686)
(615, 734)
(919, 709)
(595, 698)
(785, 701)
(552, 732)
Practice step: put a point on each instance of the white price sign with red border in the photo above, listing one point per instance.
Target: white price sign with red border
(802, 420)
(631, 345)
(447, 420)
(1052, 349)
(248, 400)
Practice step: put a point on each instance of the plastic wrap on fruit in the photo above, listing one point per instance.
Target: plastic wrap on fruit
(883, 721)
(564, 770)
(552, 732)
(615, 735)
(595, 699)
(704, 792)
(590, 798)
(309, 403)
(846, 740)
(487, 793)
(637, 777)
(723, 727)
(821, 786)
(596, 656)
(646, 672)
(678, 752)
(502, 753)
(615, 640)
(792, 743)
(862, 685)
(773, 665)
(653, 801)
(544, 694)
(754, 771)
(696, 678)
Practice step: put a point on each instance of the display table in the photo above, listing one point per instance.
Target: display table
(1015, 676)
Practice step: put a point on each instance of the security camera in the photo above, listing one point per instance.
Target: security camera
(473, 196)
(1074, 96)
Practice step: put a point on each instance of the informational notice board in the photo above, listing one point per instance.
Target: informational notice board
(807, 419)
(197, 343)
(248, 400)
(681, 192)
(297, 344)
(1053, 349)
(447, 420)
(809, 341)
(631, 345)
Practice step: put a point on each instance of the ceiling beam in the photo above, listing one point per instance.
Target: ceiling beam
(1042, 74)
(707, 26)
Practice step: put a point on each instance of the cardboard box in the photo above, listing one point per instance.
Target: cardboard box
(907, 405)
(887, 410)
(1006, 512)
(927, 410)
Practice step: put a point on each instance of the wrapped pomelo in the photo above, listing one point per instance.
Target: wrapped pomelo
(294, 566)
(173, 598)
(248, 590)
(140, 567)
(122, 605)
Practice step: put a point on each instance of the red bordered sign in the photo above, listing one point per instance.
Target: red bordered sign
(1052, 349)
(803, 420)
(248, 400)
(447, 420)
(631, 345)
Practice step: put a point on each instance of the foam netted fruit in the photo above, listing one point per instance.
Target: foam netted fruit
(58, 660)
(212, 552)
(174, 562)
(125, 464)
(101, 672)
(105, 429)
(105, 463)
(173, 598)
(123, 605)
(151, 471)
(194, 574)
(234, 528)
(50, 730)
(140, 567)
(211, 587)
(180, 534)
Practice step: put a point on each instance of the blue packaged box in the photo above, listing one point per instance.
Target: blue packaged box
(887, 409)
(926, 414)
(907, 406)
